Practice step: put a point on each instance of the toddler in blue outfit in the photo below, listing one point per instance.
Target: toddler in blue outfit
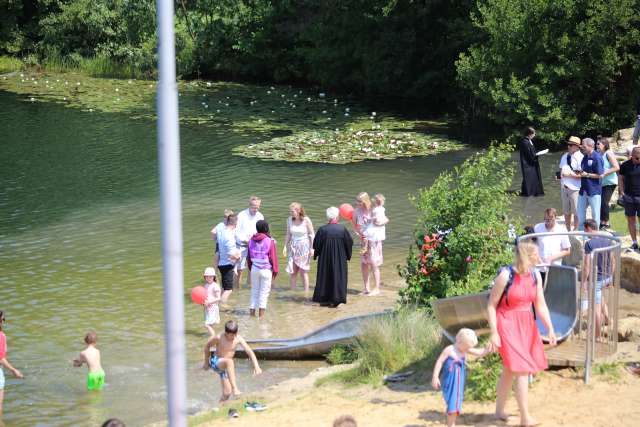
(452, 359)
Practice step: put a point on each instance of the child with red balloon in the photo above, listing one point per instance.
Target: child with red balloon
(209, 295)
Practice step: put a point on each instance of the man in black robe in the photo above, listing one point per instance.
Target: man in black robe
(531, 177)
(332, 248)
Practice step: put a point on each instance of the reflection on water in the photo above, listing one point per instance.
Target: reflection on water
(80, 250)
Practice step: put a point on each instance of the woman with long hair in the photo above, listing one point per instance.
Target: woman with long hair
(514, 333)
(609, 179)
(298, 245)
(371, 255)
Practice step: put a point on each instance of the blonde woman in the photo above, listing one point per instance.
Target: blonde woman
(298, 245)
(513, 328)
(370, 260)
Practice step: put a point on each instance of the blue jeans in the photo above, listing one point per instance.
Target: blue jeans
(593, 201)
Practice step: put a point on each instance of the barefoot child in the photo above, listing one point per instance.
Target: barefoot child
(452, 359)
(4, 362)
(91, 356)
(211, 308)
(222, 361)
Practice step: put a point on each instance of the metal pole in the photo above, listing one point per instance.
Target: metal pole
(171, 217)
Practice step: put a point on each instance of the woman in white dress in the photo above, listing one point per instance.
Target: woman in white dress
(298, 245)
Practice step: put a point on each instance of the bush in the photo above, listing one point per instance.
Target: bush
(389, 344)
(482, 377)
(567, 66)
(341, 355)
(464, 231)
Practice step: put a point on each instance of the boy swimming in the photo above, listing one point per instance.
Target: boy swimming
(91, 356)
(222, 361)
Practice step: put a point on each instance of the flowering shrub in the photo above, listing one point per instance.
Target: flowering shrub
(464, 230)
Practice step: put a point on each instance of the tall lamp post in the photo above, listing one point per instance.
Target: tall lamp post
(171, 217)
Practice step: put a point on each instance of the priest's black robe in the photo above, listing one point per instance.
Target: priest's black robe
(332, 248)
(530, 167)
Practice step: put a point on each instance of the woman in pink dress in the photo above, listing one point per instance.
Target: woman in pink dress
(514, 332)
(371, 257)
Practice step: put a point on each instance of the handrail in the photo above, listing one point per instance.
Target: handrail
(606, 262)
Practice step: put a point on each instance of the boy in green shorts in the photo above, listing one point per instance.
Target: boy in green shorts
(91, 356)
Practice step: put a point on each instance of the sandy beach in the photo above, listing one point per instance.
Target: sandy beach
(558, 397)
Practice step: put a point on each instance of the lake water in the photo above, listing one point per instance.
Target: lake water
(80, 250)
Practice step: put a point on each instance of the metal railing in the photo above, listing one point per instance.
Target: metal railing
(599, 282)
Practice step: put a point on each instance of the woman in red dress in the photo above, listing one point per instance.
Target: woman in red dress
(513, 329)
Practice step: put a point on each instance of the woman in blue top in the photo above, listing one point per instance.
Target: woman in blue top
(609, 180)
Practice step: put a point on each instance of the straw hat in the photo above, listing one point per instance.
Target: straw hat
(574, 140)
(209, 271)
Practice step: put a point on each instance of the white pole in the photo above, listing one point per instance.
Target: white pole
(171, 217)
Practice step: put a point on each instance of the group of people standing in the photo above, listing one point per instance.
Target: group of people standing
(589, 173)
(243, 241)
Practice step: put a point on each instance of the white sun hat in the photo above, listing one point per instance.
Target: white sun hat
(209, 271)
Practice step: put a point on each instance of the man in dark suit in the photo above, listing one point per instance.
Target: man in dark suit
(332, 248)
(529, 165)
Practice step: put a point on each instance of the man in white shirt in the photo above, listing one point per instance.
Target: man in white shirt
(570, 180)
(552, 248)
(245, 230)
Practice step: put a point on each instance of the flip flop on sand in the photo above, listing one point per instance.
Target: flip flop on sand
(633, 367)
(394, 378)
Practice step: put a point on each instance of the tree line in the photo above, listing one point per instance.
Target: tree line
(565, 66)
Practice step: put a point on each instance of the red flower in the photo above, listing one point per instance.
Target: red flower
(424, 271)
(468, 259)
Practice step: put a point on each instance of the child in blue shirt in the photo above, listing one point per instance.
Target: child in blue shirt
(452, 380)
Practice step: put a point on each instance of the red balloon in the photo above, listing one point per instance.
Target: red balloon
(346, 211)
(198, 295)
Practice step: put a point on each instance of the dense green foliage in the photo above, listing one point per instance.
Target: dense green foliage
(463, 233)
(482, 377)
(341, 354)
(391, 344)
(565, 66)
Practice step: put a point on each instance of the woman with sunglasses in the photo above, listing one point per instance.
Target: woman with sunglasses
(4, 362)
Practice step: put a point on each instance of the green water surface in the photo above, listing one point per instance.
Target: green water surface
(80, 250)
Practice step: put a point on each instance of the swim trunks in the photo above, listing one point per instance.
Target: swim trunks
(95, 380)
(213, 363)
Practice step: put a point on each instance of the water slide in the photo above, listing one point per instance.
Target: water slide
(470, 311)
(314, 344)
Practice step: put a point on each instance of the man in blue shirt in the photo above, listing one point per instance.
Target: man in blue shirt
(590, 185)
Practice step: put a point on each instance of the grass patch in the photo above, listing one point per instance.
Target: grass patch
(608, 371)
(618, 221)
(390, 344)
(96, 66)
(9, 64)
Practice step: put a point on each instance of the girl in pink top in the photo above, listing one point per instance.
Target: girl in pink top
(4, 362)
